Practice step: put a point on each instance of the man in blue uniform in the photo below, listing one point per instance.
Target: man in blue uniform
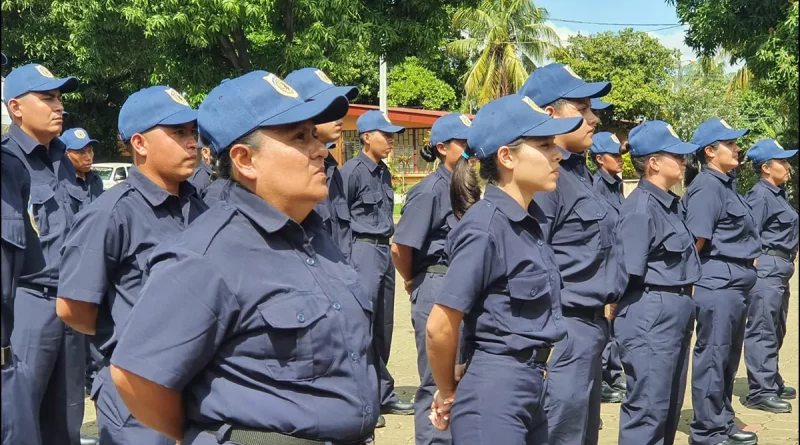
(201, 178)
(370, 197)
(606, 154)
(103, 267)
(312, 83)
(54, 353)
(581, 228)
(80, 150)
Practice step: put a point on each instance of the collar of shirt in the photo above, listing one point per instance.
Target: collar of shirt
(727, 179)
(506, 204)
(667, 199)
(444, 173)
(29, 144)
(153, 193)
(772, 187)
(263, 214)
(371, 165)
(330, 161)
(574, 161)
(611, 180)
(205, 167)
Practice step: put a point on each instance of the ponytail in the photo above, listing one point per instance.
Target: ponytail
(465, 189)
(429, 152)
(695, 162)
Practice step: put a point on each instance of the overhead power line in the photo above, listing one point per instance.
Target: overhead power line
(614, 24)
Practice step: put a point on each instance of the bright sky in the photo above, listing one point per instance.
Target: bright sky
(619, 11)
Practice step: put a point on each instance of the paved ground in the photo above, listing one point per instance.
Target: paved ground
(772, 429)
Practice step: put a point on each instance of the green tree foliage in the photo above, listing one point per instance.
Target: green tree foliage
(638, 66)
(411, 85)
(504, 40)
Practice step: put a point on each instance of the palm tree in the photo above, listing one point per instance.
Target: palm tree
(505, 40)
(740, 80)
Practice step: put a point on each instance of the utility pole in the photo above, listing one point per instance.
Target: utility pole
(382, 88)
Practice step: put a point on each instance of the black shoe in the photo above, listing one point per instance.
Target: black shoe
(772, 404)
(610, 395)
(398, 407)
(788, 393)
(381, 422)
(620, 386)
(88, 440)
(741, 438)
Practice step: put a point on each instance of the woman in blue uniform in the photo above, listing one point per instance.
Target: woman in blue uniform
(727, 239)
(252, 328)
(502, 281)
(418, 252)
(769, 299)
(656, 314)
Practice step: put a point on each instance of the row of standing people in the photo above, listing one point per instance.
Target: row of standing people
(195, 331)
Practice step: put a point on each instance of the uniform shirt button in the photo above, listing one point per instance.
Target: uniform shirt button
(310, 261)
(539, 242)
(599, 214)
(354, 356)
(558, 316)
(337, 306)
(583, 179)
(368, 410)
(301, 318)
(226, 207)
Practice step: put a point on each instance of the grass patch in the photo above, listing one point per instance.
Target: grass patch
(397, 208)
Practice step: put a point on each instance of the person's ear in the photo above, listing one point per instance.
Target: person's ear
(139, 144)
(504, 158)
(441, 149)
(242, 161)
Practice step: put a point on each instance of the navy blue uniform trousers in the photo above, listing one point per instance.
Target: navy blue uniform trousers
(20, 419)
(766, 327)
(654, 331)
(55, 354)
(612, 366)
(720, 315)
(375, 269)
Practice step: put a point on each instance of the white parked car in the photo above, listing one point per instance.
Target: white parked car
(112, 173)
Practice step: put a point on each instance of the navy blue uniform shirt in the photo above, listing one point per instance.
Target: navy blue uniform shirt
(216, 191)
(54, 201)
(201, 178)
(503, 277)
(17, 233)
(610, 187)
(334, 210)
(92, 186)
(105, 254)
(658, 247)
(714, 210)
(427, 218)
(369, 195)
(260, 322)
(777, 220)
(581, 227)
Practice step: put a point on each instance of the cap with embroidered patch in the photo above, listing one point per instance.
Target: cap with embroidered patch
(598, 104)
(714, 130)
(150, 107)
(374, 120)
(450, 126)
(76, 139)
(34, 78)
(605, 142)
(509, 118)
(556, 81)
(768, 149)
(312, 82)
(657, 136)
(257, 99)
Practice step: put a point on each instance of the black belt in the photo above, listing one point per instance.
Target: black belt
(44, 290)
(778, 253)
(680, 290)
(7, 356)
(244, 436)
(378, 240)
(539, 355)
(589, 313)
(739, 261)
(437, 268)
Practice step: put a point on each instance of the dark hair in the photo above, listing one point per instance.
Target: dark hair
(430, 153)
(557, 104)
(593, 158)
(695, 161)
(465, 189)
(221, 165)
(640, 163)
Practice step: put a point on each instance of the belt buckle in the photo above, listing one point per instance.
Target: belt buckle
(5, 351)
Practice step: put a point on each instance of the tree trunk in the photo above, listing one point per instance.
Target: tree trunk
(234, 49)
(288, 21)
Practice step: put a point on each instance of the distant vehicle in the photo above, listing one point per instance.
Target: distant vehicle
(112, 173)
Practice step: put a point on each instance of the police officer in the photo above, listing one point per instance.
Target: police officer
(201, 178)
(606, 154)
(418, 252)
(656, 314)
(54, 353)
(20, 421)
(313, 84)
(769, 298)
(502, 281)
(727, 239)
(370, 197)
(254, 326)
(80, 150)
(103, 267)
(580, 227)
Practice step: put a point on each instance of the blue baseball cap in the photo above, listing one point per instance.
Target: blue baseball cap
(312, 82)
(374, 120)
(556, 81)
(598, 104)
(509, 118)
(257, 99)
(5, 60)
(605, 142)
(76, 139)
(450, 126)
(768, 149)
(150, 107)
(656, 136)
(714, 130)
(34, 78)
